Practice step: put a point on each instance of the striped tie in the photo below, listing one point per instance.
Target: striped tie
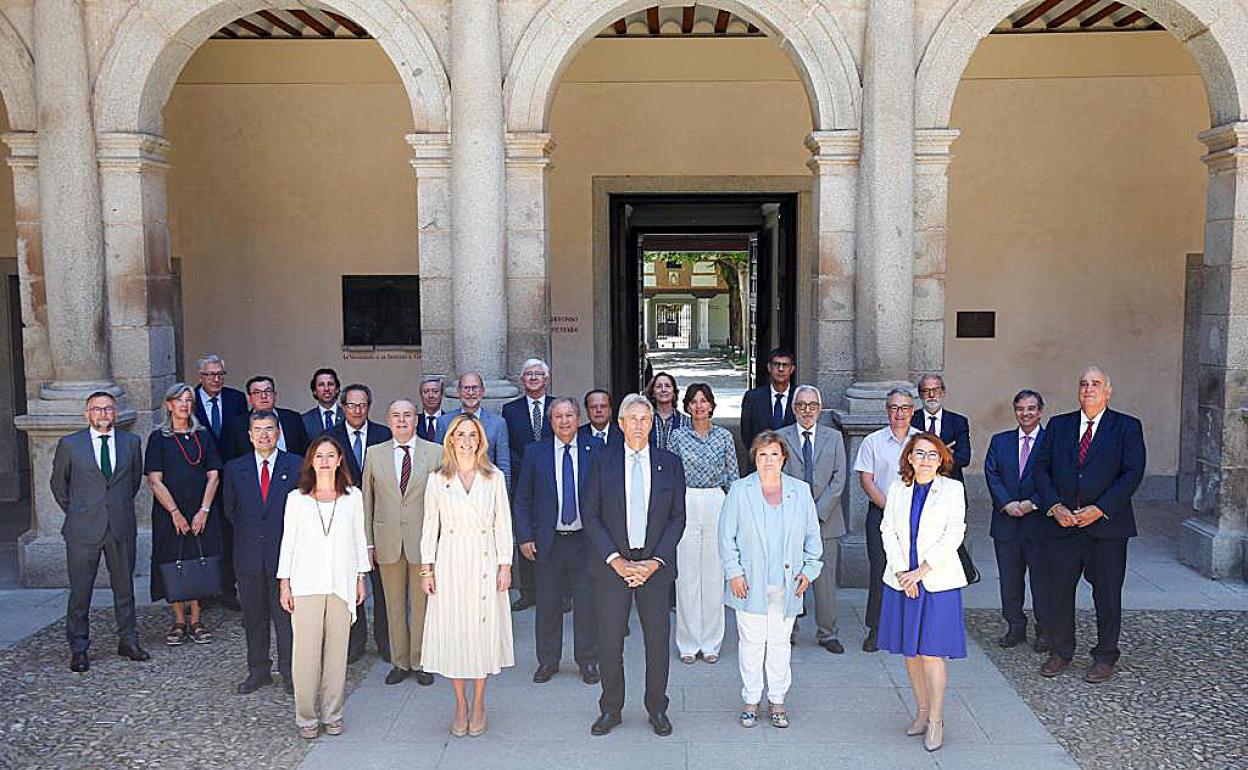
(1085, 442)
(405, 475)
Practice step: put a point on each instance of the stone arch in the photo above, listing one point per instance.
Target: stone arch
(1207, 29)
(155, 40)
(17, 79)
(810, 37)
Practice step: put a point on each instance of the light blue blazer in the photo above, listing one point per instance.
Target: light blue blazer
(743, 542)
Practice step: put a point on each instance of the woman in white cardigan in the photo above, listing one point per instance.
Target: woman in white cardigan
(921, 608)
(324, 558)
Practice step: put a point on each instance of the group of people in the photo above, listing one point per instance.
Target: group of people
(308, 514)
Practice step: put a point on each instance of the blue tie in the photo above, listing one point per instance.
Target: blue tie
(329, 420)
(777, 412)
(214, 419)
(568, 516)
(357, 449)
(808, 461)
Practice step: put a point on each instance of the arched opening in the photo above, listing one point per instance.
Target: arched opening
(15, 509)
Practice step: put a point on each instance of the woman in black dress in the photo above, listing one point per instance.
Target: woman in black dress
(182, 466)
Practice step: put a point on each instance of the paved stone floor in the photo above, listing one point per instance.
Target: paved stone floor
(727, 381)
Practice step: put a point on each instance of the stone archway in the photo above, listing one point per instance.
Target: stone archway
(1212, 32)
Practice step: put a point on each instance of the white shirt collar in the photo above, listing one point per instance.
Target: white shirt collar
(644, 453)
(95, 434)
(1034, 432)
(784, 392)
(1084, 419)
(939, 415)
(272, 458)
(363, 429)
(813, 429)
(410, 444)
(559, 445)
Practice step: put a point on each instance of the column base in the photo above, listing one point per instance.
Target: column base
(41, 560)
(853, 567)
(867, 398)
(1205, 547)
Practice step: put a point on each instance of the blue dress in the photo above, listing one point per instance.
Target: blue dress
(930, 624)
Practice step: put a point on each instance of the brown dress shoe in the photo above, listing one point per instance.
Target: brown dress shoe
(1055, 665)
(1099, 672)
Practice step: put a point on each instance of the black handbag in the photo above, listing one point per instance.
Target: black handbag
(968, 566)
(193, 578)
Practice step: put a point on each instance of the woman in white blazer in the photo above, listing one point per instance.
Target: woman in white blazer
(921, 609)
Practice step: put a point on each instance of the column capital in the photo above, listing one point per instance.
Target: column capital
(1227, 144)
(841, 147)
(431, 153)
(134, 152)
(23, 148)
(934, 146)
(529, 148)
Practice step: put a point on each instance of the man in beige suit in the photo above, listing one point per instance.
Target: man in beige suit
(393, 483)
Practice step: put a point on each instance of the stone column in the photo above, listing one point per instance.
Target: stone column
(37, 353)
(931, 237)
(704, 323)
(528, 256)
(431, 160)
(1213, 541)
(478, 196)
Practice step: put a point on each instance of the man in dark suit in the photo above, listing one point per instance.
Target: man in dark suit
(527, 422)
(431, 395)
(1017, 524)
(96, 473)
(325, 387)
(601, 425)
(951, 427)
(254, 502)
(551, 535)
(770, 406)
(634, 514)
(357, 433)
(215, 404)
(1088, 466)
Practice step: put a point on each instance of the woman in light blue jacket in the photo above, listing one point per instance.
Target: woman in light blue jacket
(769, 541)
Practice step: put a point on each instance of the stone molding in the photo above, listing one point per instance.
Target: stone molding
(23, 148)
(135, 152)
(934, 146)
(430, 151)
(833, 148)
(529, 149)
(1227, 145)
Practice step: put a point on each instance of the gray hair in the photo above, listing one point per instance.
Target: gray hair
(210, 358)
(532, 362)
(460, 381)
(436, 378)
(634, 399)
(1099, 370)
(166, 423)
(576, 407)
(361, 387)
(264, 414)
(918, 385)
(898, 392)
(800, 389)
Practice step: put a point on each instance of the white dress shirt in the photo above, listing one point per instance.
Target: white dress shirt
(576, 475)
(1034, 436)
(636, 539)
(206, 401)
(785, 394)
(272, 458)
(940, 420)
(1084, 420)
(398, 460)
(801, 435)
(880, 455)
(334, 413)
(602, 434)
(112, 446)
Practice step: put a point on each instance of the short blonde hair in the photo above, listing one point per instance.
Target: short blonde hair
(482, 459)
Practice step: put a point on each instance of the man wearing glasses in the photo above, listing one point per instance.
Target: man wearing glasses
(262, 397)
(951, 427)
(528, 421)
(471, 392)
(878, 465)
(770, 406)
(215, 404)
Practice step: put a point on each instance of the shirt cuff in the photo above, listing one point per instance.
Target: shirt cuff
(614, 555)
(660, 561)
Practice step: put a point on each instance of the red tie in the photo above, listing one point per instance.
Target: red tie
(405, 472)
(1085, 442)
(264, 480)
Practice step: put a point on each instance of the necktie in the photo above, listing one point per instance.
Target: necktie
(808, 461)
(537, 420)
(601, 435)
(1023, 454)
(106, 460)
(214, 417)
(568, 513)
(931, 424)
(405, 474)
(264, 480)
(329, 419)
(357, 447)
(1085, 442)
(777, 411)
(636, 505)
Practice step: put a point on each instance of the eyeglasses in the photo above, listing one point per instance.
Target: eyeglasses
(261, 392)
(534, 375)
(102, 409)
(356, 407)
(901, 408)
(806, 405)
(471, 388)
(780, 365)
(919, 454)
(213, 375)
(931, 391)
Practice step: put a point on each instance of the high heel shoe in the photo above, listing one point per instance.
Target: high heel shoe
(935, 737)
(459, 729)
(919, 725)
(476, 729)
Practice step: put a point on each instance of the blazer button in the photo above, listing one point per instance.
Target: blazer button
(786, 566)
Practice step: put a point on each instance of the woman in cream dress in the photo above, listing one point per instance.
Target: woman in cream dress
(466, 549)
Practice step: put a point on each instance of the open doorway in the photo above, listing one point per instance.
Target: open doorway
(702, 286)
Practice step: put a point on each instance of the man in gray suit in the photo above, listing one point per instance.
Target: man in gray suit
(96, 473)
(817, 455)
(471, 391)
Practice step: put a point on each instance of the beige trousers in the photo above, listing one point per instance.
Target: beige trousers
(321, 626)
(401, 581)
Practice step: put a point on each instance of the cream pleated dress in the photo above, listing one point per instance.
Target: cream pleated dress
(466, 536)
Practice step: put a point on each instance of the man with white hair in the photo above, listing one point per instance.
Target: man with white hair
(528, 421)
(215, 404)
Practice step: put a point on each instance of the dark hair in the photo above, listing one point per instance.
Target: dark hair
(100, 394)
(649, 392)
(775, 353)
(367, 391)
(259, 378)
(318, 373)
(946, 456)
(263, 414)
(592, 392)
(1029, 393)
(767, 438)
(695, 389)
(307, 474)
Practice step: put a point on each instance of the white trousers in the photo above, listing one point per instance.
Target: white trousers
(700, 575)
(764, 643)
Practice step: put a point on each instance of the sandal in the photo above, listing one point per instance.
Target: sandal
(200, 633)
(711, 658)
(688, 659)
(779, 718)
(334, 727)
(749, 715)
(176, 634)
(309, 733)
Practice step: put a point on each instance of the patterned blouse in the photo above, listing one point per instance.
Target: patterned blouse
(661, 433)
(710, 461)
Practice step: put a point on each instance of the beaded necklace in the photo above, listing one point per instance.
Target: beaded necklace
(177, 438)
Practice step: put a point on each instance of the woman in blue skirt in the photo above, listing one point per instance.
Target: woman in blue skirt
(921, 612)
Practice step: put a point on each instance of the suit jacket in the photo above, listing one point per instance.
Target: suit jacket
(604, 509)
(314, 426)
(520, 426)
(92, 504)
(955, 430)
(1005, 485)
(238, 442)
(1111, 472)
(615, 436)
(232, 403)
(535, 512)
(756, 413)
(941, 530)
(495, 434)
(830, 473)
(393, 522)
(258, 522)
(377, 433)
(420, 427)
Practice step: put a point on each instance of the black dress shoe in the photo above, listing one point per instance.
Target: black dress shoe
(871, 643)
(424, 678)
(288, 684)
(566, 604)
(230, 602)
(78, 662)
(544, 673)
(397, 675)
(1041, 644)
(661, 724)
(833, 646)
(521, 604)
(253, 683)
(590, 674)
(605, 724)
(1012, 639)
(133, 652)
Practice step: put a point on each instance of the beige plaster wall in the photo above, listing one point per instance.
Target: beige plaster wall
(1076, 192)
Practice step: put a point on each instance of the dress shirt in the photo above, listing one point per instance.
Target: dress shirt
(940, 420)
(786, 395)
(206, 401)
(333, 413)
(272, 458)
(601, 434)
(644, 456)
(1083, 423)
(710, 460)
(880, 455)
(540, 403)
(316, 563)
(398, 459)
(112, 446)
(801, 438)
(362, 430)
(1035, 437)
(575, 526)
(435, 416)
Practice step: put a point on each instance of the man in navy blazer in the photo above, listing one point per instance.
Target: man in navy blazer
(527, 421)
(254, 494)
(262, 396)
(769, 406)
(601, 426)
(215, 404)
(325, 387)
(952, 428)
(471, 393)
(1089, 464)
(1017, 527)
(357, 433)
(550, 531)
(634, 515)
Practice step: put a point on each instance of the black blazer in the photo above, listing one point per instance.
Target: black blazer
(756, 413)
(377, 433)
(605, 515)
(1111, 472)
(258, 522)
(520, 426)
(238, 443)
(535, 507)
(954, 430)
(1005, 485)
(233, 403)
(615, 436)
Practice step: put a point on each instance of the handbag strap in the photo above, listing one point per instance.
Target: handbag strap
(182, 543)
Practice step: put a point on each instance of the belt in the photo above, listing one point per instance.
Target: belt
(568, 532)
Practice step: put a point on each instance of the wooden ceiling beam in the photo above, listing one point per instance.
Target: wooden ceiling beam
(753, 30)
(621, 27)
(1072, 13)
(281, 23)
(686, 22)
(721, 22)
(348, 24)
(652, 19)
(313, 22)
(255, 29)
(1129, 19)
(1035, 13)
(228, 32)
(1108, 10)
